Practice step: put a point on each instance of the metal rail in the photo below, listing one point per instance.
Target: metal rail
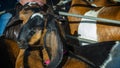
(63, 2)
(90, 17)
(81, 39)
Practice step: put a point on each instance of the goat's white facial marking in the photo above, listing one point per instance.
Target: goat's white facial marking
(31, 3)
(36, 14)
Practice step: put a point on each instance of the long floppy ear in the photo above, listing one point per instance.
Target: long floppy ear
(53, 43)
(14, 21)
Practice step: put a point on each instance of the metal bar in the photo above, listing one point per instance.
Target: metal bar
(81, 39)
(90, 17)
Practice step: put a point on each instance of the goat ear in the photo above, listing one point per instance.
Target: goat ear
(53, 44)
(54, 47)
(14, 21)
